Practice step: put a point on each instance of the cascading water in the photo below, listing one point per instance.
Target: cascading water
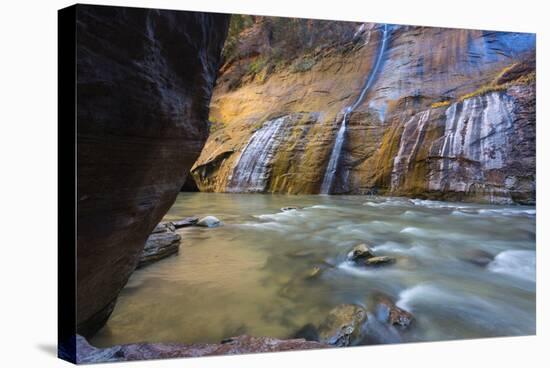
(475, 130)
(413, 131)
(251, 172)
(334, 160)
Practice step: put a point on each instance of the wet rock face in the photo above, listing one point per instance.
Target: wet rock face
(455, 123)
(144, 83)
(235, 345)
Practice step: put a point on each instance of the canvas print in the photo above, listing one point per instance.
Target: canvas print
(251, 184)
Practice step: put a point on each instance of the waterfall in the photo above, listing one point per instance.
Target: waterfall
(411, 140)
(250, 174)
(334, 160)
(475, 131)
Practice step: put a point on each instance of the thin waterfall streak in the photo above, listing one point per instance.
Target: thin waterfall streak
(334, 159)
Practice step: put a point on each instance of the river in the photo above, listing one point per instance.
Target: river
(249, 276)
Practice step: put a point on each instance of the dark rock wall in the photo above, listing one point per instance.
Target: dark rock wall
(144, 82)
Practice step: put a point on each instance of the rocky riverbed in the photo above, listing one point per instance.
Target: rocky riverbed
(295, 267)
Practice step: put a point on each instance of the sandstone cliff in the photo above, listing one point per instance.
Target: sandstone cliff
(144, 83)
(428, 112)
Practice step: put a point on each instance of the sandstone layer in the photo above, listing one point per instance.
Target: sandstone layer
(450, 113)
(144, 83)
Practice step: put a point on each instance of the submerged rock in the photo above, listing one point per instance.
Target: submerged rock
(209, 221)
(342, 327)
(314, 272)
(300, 253)
(361, 252)
(188, 221)
(159, 246)
(379, 261)
(478, 257)
(289, 208)
(388, 312)
(86, 353)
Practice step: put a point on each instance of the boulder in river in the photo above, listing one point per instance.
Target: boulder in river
(209, 221)
(188, 221)
(360, 252)
(478, 257)
(388, 312)
(379, 261)
(342, 327)
(158, 246)
(164, 227)
(289, 208)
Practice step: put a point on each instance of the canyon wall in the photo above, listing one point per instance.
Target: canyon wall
(144, 83)
(310, 106)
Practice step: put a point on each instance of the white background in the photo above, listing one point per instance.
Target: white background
(28, 154)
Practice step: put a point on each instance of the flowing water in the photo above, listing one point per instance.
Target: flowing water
(249, 276)
(334, 159)
(251, 171)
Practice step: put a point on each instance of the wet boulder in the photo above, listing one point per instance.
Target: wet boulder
(188, 221)
(388, 312)
(164, 227)
(289, 208)
(361, 252)
(158, 246)
(209, 221)
(478, 257)
(379, 261)
(342, 327)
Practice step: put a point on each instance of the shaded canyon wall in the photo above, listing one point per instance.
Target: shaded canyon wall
(144, 83)
(449, 113)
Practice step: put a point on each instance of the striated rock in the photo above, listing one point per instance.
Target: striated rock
(144, 83)
(164, 227)
(188, 221)
(159, 246)
(236, 345)
(457, 123)
(342, 327)
(209, 221)
(361, 252)
(388, 312)
(379, 261)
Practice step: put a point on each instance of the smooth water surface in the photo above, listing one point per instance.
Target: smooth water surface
(250, 275)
